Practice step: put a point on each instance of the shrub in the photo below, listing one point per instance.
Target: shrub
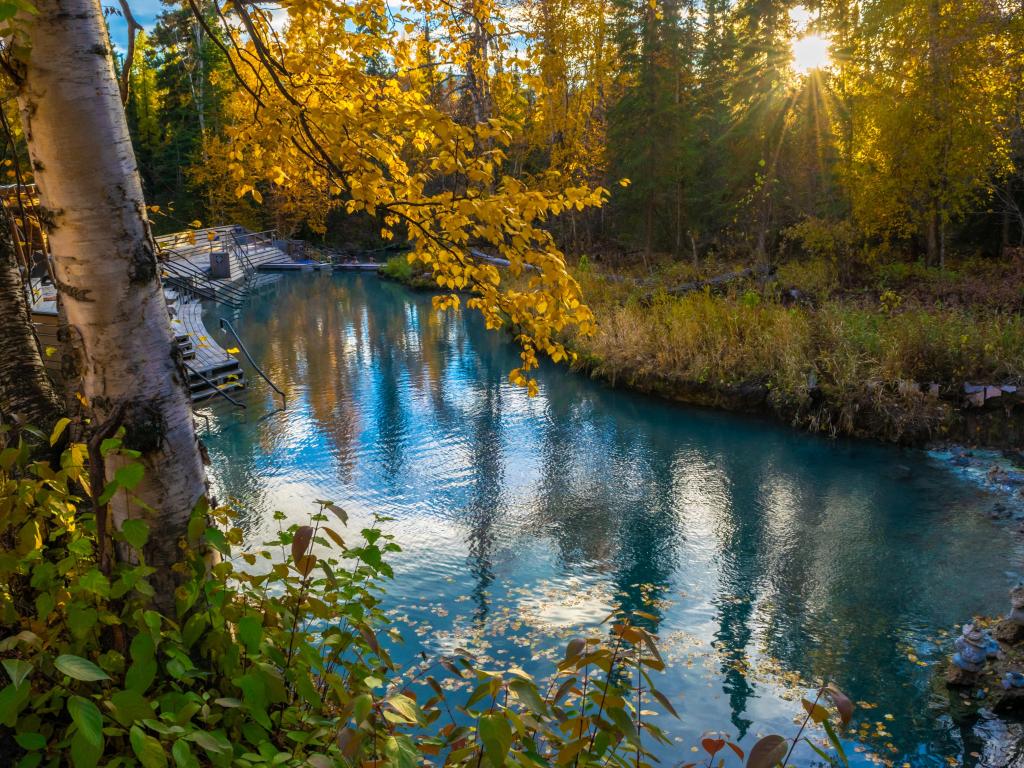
(832, 242)
(818, 277)
(277, 656)
(398, 268)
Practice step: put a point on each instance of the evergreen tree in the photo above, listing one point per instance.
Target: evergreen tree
(648, 124)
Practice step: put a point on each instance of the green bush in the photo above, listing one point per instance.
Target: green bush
(278, 655)
(397, 268)
(818, 277)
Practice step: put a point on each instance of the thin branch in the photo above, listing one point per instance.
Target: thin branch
(126, 68)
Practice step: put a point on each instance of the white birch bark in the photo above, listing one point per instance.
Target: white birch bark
(105, 264)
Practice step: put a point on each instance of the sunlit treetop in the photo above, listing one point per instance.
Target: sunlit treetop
(318, 128)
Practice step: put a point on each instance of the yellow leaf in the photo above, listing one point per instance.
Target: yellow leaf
(232, 350)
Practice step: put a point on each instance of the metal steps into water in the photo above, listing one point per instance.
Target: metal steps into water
(212, 371)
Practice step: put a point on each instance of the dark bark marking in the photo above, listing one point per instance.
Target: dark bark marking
(144, 427)
(142, 268)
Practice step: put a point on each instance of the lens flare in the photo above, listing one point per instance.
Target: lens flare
(811, 52)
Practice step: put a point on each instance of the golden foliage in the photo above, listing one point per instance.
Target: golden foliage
(316, 127)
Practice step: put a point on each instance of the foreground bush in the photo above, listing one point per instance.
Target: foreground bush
(276, 656)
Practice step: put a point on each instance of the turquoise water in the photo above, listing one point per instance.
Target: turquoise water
(774, 560)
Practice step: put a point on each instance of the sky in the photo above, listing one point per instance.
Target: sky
(144, 11)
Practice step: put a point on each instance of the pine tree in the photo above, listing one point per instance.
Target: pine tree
(647, 125)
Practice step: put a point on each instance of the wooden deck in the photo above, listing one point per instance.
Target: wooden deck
(212, 367)
(368, 266)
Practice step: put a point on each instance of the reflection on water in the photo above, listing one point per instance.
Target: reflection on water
(771, 559)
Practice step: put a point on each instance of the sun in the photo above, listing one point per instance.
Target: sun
(811, 52)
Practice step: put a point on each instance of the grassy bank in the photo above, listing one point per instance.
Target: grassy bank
(854, 359)
(885, 355)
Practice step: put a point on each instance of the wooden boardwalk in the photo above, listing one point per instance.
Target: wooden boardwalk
(188, 260)
(212, 367)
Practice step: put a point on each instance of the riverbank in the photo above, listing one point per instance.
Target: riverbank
(904, 355)
(907, 355)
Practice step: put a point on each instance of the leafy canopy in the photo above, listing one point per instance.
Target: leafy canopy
(318, 128)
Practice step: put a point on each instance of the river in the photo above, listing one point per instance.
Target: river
(773, 559)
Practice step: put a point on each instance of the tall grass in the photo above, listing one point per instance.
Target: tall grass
(836, 367)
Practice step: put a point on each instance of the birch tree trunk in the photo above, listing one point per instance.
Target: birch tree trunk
(26, 391)
(105, 263)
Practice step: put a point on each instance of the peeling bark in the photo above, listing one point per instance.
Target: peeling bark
(26, 392)
(105, 265)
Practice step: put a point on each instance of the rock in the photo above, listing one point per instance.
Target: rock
(1005, 701)
(1015, 456)
(976, 399)
(960, 678)
(1014, 478)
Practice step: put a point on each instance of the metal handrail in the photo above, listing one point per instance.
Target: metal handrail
(242, 252)
(186, 269)
(185, 284)
(225, 325)
(216, 389)
(185, 265)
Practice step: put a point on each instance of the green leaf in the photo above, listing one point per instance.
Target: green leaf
(95, 581)
(135, 532)
(143, 669)
(496, 734)
(110, 444)
(88, 719)
(361, 708)
(149, 751)
(84, 753)
(30, 741)
(214, 741)
(250, 631)
(108, 492)
(17, 670)
(12, 699)
(129, 475)
(130, 706)
(623, 723)
(78, 668)
(527, 693)
(663, 700)
(834, 739)
(82, 619)
(182, 754)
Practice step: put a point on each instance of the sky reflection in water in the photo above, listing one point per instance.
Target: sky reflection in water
(772, 558)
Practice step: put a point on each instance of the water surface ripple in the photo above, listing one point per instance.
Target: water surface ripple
(773, 559)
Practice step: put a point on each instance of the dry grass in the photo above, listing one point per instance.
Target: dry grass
(861, 359)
